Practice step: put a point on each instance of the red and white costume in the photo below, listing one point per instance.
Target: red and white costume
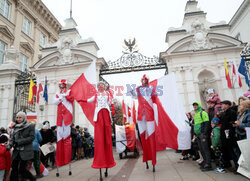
(64, 102)
(146, 121)
(103, 157)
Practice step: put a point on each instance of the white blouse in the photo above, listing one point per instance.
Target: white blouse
(102, 102)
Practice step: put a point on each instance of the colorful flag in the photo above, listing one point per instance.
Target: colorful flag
(83, 89)
(32, 91)
(243, 70)
(236, 73)
(229, 84)
(45, 92)
(40, 89)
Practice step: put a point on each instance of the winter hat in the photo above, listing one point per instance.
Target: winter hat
(21, 114)
(216, 121)
(46, 125)
(3, 139)
(210, 91)
(247, 94)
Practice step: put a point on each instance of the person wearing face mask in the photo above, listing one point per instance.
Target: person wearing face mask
(103, 157)
(22, 136)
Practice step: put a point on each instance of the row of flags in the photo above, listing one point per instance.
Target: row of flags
(36, 89)
(242, 70)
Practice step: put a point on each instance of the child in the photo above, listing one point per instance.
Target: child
(216, 143)
(5, 158)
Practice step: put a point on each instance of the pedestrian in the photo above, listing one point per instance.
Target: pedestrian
(36, 160)
(5, 158)
(202, 130)
(73, 141)
(22, 137)
(216, 144)
(243, 119)
(229, 144)
(103, 157)
(48, 137)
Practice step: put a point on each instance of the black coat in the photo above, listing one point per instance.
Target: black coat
(48, 136)
(73, 137)
(227, 119)
(22, 141)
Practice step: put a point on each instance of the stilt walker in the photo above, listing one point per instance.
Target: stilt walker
(145, 120)
(64, 102)
(103, 157)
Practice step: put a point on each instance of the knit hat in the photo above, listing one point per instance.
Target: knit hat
(216, 121)
(3, 139)
(21, 114)
(210, 91)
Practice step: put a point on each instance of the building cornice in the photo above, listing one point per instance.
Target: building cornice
(239, 12)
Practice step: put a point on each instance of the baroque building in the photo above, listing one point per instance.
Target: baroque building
(197, 51)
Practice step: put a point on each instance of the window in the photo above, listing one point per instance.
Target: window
(23, 63)
(26, 26)
(5, 8)
(2, 49)
(42, 39)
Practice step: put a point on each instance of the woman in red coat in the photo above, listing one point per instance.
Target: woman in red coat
(103, 157)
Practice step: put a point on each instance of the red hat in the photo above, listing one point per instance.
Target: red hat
(63, 81)
(145, 77)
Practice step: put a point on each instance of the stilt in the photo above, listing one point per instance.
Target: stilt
(101, 179)
(147, 165)
(153, 168)
(106, 172)
(57, 171)
(70, 173)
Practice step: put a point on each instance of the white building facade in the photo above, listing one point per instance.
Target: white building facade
(196, 55)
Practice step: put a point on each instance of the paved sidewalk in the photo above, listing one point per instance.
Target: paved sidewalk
(169, 168)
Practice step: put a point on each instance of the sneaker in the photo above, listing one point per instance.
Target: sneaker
(184, 158)
(206, 168)
(220, 170)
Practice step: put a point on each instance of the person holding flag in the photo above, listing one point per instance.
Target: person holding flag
(103, 157)
(64, 102)
(146, 119)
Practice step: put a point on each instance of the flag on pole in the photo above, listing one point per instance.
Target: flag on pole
(229, 84)
(83, 89)
(134, 113)
(32, 91)
(243, 70)
(39, 90)
(236, 73)
(45, 92)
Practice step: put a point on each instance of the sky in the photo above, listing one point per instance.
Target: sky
(109, 22)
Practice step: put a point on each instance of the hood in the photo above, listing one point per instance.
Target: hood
(199, 106)
(2, 149)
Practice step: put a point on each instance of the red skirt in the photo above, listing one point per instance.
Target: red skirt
(103, 156)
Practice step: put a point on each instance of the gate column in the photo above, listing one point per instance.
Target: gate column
(9, 72)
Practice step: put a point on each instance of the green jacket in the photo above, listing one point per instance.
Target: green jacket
(201, 122)
(215, 137)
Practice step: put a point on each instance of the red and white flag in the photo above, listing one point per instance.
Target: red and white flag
(171, 130)
(84, 88)
(236, 73)
(39, 90)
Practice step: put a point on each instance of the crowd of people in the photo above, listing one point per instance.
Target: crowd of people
(20, 147)
(215, 132)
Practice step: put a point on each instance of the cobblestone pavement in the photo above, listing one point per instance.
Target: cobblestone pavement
(169, 167)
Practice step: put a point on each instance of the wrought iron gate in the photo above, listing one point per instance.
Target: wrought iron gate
(21, 97)
(246, 54)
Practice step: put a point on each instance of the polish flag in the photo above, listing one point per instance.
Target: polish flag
(84, 88)
(127, 117)
(134, 113)
(39, 90)
(236, 73)
(171, 129)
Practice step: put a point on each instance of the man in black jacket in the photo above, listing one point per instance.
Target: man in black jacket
(228, 139)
